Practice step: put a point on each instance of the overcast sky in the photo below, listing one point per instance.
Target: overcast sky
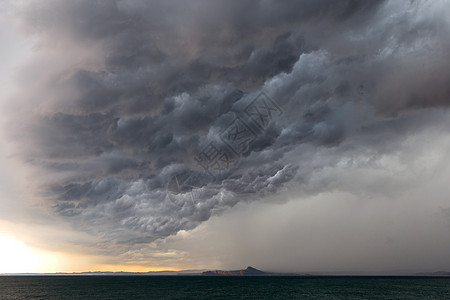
(286, 135)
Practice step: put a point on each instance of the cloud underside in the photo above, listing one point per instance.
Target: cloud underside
(121, 98)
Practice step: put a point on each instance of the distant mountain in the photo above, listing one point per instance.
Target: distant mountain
(250, 271)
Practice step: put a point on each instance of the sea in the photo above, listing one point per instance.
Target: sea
(223, 287)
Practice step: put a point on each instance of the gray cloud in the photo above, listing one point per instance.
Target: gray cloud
(138, 88)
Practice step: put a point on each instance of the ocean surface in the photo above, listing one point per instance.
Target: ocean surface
(205, 287)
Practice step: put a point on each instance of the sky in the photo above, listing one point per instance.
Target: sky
(292, 136)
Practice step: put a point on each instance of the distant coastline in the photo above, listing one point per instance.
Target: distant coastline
(249, 271)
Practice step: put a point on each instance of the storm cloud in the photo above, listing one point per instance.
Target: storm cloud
(121, 97)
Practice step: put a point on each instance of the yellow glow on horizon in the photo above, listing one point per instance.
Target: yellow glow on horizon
(16, 257)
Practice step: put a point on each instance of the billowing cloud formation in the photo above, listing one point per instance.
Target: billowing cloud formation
(122, 96)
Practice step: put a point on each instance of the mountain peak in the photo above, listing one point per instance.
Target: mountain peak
(253, 271)
(249, 271)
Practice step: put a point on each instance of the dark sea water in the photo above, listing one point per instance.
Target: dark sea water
(203, 287)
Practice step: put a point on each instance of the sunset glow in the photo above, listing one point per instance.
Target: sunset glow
(17, 257)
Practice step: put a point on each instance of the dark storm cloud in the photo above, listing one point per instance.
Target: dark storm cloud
(163, 79)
